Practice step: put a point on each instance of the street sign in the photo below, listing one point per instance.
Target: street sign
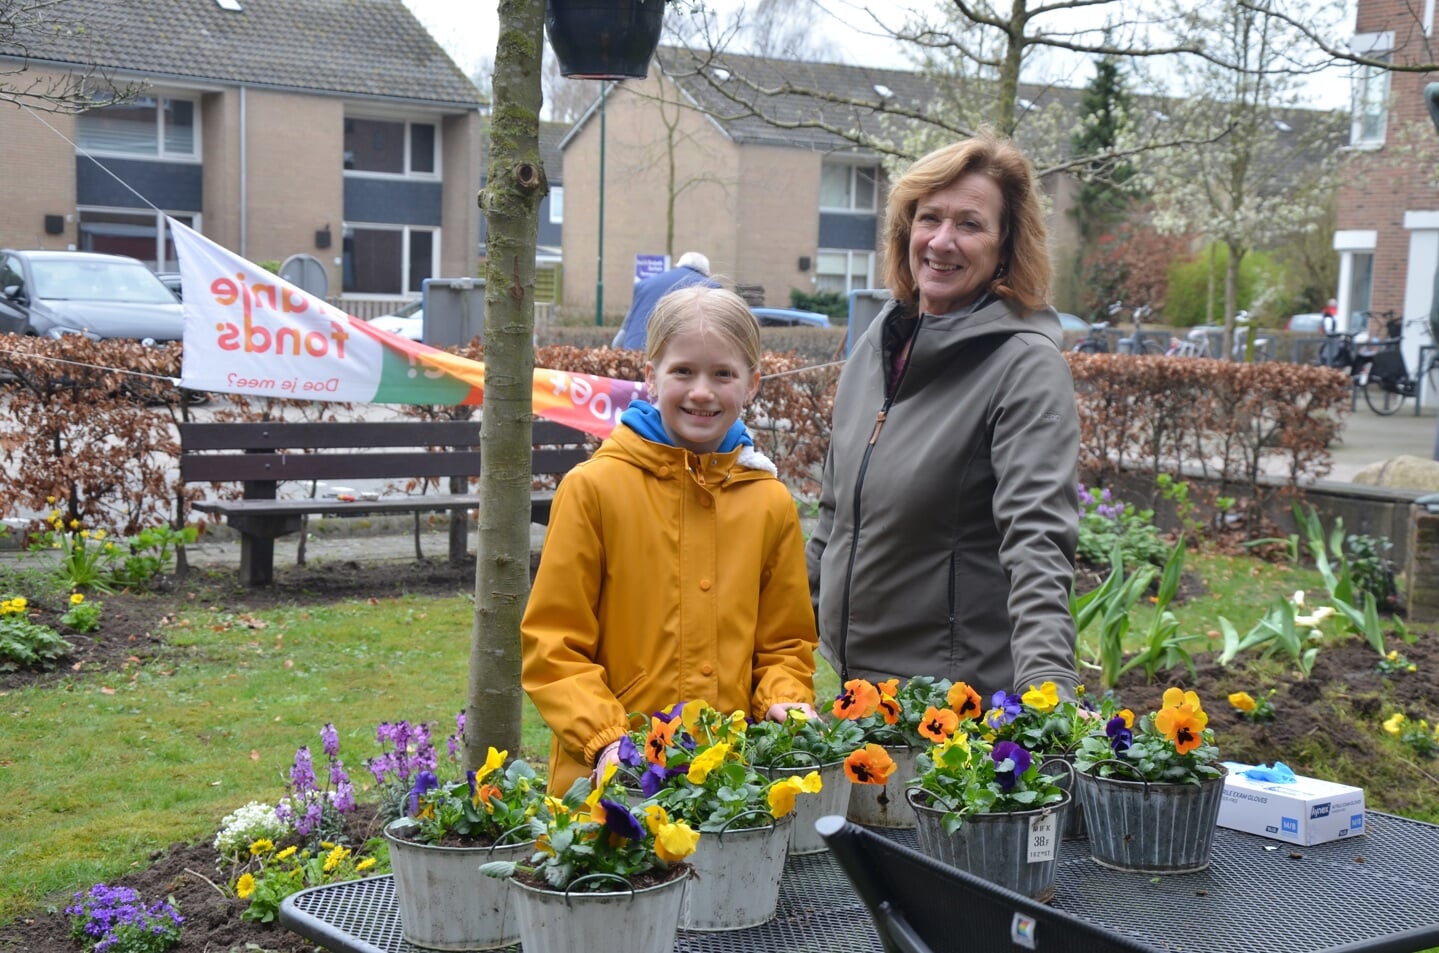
(647, 266)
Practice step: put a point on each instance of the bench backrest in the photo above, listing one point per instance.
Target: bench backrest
(277, 450)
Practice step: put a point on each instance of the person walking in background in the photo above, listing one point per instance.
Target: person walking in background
(948, 512)
(692, 269)
(673, 568)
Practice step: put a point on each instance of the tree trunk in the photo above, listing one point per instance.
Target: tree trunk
(514, 187)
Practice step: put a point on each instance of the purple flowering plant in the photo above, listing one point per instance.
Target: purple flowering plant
(1105, 523)
(491, 805)
(313, 809)
(115, 920)
(405, 753)
(967, 774)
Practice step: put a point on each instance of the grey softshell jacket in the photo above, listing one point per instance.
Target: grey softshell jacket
(946, 534)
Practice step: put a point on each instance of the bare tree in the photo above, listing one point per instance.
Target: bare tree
(514, 188)
(22, 22)
(1270, 165)
(565, 99)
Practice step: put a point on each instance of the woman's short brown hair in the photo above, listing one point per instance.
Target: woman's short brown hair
(1024, 251)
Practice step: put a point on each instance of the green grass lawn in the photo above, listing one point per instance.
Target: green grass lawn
(102, 770)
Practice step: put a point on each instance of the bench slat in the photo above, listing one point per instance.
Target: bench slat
(221, 468)
(329, 506)
(287, 435)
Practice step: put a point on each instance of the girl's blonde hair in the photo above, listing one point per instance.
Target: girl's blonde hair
(710, 310)
(1024, 270)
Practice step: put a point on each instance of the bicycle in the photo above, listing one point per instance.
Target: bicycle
(1385, 379)
(1193, 344)
(1095, 341)
(1136, 343)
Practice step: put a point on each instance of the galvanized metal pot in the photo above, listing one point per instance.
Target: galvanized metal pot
(1016, 849)
(1060, 767)
(445, 902)
(627, 920)
(884, 805)
(1150, 828)
(833, 798)
(736, 876)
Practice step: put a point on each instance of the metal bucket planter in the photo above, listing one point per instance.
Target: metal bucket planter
(445, 902)
(1060, 767)
(884, 805)
(1150, 828)
(628, 920)
(833, 798)
(1018, 849)
(736, 877)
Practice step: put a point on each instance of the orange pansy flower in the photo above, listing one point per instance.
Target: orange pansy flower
(858, 699)
(965, 701)
(889, 708)
(661, 735)
(938, 723)
(869, 765)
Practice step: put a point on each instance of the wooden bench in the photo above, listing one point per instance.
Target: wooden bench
(262, 455)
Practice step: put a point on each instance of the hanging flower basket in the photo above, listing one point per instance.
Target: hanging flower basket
(604, 39)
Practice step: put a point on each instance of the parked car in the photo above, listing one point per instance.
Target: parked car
(1072, 322)
(55, 293)
(171, 280)
(1311, 323)
(789, 318)
(408, 322)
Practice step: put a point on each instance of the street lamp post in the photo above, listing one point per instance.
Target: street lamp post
(600, 258)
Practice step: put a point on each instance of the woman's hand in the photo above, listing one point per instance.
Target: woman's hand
(780, 710)
(609, 754)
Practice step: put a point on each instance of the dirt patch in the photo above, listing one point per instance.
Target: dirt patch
(1324, 725)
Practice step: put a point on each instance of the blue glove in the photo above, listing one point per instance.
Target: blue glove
(1279, 774)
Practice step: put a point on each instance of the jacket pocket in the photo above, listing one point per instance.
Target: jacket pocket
(628, 688)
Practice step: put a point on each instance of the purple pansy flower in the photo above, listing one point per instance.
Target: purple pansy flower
(630, 755)
(1005, 707)
(619, 820)
(424, 781)
(1017, 759)
(1120, 737)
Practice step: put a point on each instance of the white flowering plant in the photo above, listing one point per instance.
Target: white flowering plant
(244, 826)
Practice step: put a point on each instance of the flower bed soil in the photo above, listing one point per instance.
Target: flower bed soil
(1328, 719)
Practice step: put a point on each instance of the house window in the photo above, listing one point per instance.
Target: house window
(1361, 286)
(389, 260)
(391, 147)
(153, 126)
(557, 205)
(141, 235)
(847, 188)
(843, 271)
(1371, 105)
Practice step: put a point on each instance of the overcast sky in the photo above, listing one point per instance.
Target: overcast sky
(467, 30)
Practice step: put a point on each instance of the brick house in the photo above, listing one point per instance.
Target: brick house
(336, 130)
(774, 207)
(1388, 221)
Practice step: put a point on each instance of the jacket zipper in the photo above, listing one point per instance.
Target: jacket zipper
(879, 420)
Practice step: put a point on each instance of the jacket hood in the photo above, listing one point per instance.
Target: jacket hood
(959, 328)
(742, 463)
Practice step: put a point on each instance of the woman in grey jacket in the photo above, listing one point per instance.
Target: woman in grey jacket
(948, 514)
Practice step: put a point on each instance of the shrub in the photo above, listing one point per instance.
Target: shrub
(1106, 523)
(23, 642)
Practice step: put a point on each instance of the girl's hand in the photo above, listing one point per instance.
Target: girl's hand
(609, 754)
(780, 710)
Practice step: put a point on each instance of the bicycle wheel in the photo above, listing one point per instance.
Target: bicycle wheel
(1380, 398)
(1150, 348)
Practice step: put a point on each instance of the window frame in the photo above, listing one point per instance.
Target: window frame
(407, 125)
(854, 170)
(1379, 46)
(436, 238)
(166, 258)
(854, 279)
(161, 153)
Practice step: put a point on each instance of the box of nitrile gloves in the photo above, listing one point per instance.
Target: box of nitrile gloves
(1304, 811)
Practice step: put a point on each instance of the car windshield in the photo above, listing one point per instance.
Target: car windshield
(98, 280)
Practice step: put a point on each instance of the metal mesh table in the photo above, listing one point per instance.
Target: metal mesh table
(1377, 892)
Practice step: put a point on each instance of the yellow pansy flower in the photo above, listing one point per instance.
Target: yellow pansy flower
(76, 598)
(675, 841)
(1043, 698)
(493, 760)
(1243, 701)
(1392, 723)
(706, 762)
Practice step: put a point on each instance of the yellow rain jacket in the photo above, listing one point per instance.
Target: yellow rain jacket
(665, 576)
